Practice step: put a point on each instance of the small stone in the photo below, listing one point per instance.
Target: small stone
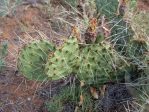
(29, 99)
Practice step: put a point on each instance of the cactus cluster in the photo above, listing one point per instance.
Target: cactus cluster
(94, 60)
(92, 63)
(32, 59)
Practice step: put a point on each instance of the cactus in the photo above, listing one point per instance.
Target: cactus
(32, 59)
(98, 64)
(61, 63)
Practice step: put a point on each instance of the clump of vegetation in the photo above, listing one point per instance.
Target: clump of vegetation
(3, 53)
(138, 46)
(8, 7)
(69, 96)
(107, 7)
(57, 102)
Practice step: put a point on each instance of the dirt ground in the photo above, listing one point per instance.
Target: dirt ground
(17, 94)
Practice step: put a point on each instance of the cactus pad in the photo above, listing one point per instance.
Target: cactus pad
(63, 60)
(32, 59)
(97, 64)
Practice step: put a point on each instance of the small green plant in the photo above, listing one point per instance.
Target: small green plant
(8, 6)
(3, 53)
(56, 104)
(32, 59)
(69, 96)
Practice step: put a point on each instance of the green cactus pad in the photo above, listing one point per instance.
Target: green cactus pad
(32, 59)
(62, 62)
(97, 64)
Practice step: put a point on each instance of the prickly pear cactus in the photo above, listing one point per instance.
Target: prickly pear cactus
(61, 63)
(97, 64)
(32, 59)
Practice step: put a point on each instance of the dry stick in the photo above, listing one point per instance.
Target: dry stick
(25, 83)
(18, 86)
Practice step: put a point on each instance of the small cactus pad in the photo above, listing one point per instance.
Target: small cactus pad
(32, 59)
(63, 60)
